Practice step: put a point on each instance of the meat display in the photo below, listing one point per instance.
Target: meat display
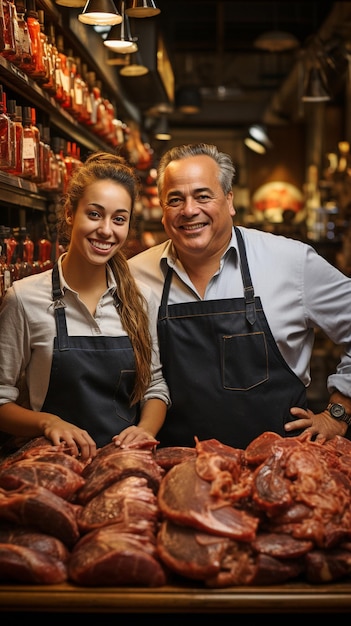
(278, 511)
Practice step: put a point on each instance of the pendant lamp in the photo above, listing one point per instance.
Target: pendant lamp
(100, 13)
(257, 139)
(142, 8)
(135, 67)
(73, 4)
(188, 99)
(161, 131)
(315, 87)
(120, 38)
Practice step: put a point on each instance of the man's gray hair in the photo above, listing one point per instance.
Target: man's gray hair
(223, 160)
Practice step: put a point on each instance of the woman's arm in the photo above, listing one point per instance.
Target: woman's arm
(19, 421)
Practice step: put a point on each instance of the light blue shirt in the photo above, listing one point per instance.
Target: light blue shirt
(300, 292)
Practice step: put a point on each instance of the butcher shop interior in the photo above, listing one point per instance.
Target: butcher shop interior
(211, 530)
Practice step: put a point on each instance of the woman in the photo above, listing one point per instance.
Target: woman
(82, 336)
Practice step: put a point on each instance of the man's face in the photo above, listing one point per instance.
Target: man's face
(197, 216)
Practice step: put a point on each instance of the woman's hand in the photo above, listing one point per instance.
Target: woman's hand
(135, 437)
(320, 426)
(77, 441)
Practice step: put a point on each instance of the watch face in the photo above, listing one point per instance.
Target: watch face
(337, 411)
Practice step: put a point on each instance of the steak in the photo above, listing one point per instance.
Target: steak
(109, 557)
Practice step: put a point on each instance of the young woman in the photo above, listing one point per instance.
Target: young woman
(82, 336)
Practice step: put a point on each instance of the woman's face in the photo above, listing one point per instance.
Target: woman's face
(101, 222)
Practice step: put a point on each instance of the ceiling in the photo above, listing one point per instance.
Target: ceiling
(212, 43)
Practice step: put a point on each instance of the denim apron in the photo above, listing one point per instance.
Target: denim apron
(92, 378)
(226, 375)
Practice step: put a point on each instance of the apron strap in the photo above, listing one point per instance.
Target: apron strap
(60, 315)
(249, 293)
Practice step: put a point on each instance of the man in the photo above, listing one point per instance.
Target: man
(238, 309)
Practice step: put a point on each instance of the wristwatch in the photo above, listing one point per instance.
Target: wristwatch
(338, 412)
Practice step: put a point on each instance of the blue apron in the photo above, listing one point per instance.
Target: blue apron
(226, 375)
(91, 380)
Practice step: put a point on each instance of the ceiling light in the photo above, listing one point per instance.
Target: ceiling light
(120, 38)
(142, 8)
(276, 41)
(315, 88)
(188, 99)
(73, 4)
(161, 131)
(257, 139)
(100, 12)
(135, 67)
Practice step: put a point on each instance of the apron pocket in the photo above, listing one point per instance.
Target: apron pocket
(244, 361)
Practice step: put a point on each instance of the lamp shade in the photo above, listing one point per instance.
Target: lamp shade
(188, 99)
(73, 4)
(257, 139)
(276, 41)
(142, 8)
(135, 67)
(100, 12)
(161, 131)
(315, 87)
(119, 40)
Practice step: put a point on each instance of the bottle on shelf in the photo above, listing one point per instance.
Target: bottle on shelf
(30, 161)
(5, 124)
(37, 70)
(10, 30)
(24, 59)
(62, 71)
(15, 115)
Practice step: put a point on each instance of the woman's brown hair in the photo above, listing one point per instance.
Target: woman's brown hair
(132, 305)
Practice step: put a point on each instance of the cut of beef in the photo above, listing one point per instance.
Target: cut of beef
(186, 499)
(325, 566)
(57, 478)
(128, 502)
(168, 457)
(30, 538)
(109, 557)
(26, 565)
(115, 464)
(41, 509)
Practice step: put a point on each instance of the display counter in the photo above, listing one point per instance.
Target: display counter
(287, 598)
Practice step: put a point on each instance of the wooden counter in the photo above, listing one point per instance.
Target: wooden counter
(287, 598)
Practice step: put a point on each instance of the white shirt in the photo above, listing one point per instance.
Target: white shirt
(300, 291)
(27, 330)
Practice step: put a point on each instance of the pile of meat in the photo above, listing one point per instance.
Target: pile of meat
(280, 510)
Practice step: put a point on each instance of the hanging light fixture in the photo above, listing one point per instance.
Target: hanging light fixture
(315, 83)
(161, 131)
(142, 8)
(188, 99)
(315, 87)
(276, 41)
(120, 38)
(257, 139)
(73, 4)
(135, 67)
(100, 13)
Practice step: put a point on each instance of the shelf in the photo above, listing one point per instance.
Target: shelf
(21, 192)
(21, 83)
